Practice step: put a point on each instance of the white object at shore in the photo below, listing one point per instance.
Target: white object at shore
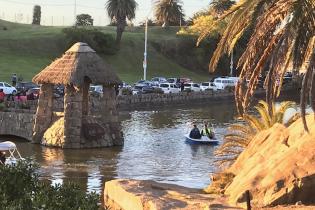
(13, 152)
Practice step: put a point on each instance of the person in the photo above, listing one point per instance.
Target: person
(14, 79)
(195, 133)
(206, 131)
(182, 86)
(2, 96)
(2, 157)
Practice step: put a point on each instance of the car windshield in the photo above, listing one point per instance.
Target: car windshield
(164, 85)
(205, 84)
(92, 88)
(171, 80)
(195, 85)
(187, 85)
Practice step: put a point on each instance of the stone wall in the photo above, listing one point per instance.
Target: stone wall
(17, 124)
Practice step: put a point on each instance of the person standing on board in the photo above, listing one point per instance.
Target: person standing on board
(14, 79)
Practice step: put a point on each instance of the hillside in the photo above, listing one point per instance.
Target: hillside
(26, 49)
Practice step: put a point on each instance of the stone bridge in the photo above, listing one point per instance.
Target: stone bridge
(18, 124)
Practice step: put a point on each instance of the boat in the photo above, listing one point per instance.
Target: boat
(14, 154)
(203, 140)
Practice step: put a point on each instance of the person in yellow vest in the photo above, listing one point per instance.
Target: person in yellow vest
(206, 131)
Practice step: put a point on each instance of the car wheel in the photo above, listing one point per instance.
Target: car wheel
(13, 92)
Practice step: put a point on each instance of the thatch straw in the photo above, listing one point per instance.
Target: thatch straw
(78, 62)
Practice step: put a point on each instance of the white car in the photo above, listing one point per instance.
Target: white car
(192, 86)
(169, 88)
(96, 88)
(222, 82)
(7, 89)
(158, 80)
(207, 86)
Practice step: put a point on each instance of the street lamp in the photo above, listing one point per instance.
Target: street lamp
(145, 50)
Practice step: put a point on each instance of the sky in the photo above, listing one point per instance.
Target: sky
(62, 12)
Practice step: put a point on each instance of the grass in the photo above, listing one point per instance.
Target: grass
(27, 49)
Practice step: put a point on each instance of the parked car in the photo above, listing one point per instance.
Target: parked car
(175, 81)
(142, 89)
(143, 83)
(25, 86)
(208, 86)
(96, 88)
(33, 93)
(192, 86)
(158, 80)
(185, 80)
(7, 89)
(169, 88)
(222, 82)
(288, 76)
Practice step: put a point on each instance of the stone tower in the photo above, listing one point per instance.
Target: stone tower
(77, 127)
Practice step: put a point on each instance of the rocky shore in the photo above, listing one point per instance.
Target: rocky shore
(277, 168)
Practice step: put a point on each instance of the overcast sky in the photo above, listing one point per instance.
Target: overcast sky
(61, 12)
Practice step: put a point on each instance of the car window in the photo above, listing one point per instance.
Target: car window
(218, 81)
(1, 84)
(205, 84)
(187, 85)
(164, 85)
(196, 85)
(7, 85)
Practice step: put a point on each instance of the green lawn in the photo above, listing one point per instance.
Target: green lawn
(27, 49)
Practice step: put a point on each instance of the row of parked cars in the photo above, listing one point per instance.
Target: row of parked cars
(176, 85)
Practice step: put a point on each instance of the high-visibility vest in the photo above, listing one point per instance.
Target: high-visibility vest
(206, 131)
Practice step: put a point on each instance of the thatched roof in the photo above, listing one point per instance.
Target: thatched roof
(78, 62)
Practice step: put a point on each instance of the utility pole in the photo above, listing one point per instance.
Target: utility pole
(75, 11)
(145, 50)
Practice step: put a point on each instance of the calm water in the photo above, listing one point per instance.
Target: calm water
(154, 149)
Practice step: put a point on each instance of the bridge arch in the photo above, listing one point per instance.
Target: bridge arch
(17, 124)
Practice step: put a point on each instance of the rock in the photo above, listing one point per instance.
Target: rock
(277, 167)
(150, 195)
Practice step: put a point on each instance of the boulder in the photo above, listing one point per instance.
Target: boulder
(277, 167)
(150, 195)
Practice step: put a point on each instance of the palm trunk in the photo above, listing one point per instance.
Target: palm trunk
(121, 24)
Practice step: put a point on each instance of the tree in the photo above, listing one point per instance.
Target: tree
(169, 12)
(218, 7)
(283, 34)
(121, 10)
(84, 20)
(36, 15)
(242, 133)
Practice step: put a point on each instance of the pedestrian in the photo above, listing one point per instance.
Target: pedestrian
(182, 86)
(14, 79)
(2, 96)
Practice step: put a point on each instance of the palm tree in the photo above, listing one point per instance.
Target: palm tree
(220, 6)
(120, 11)
(242, 133)
(283, 34)
(169, 12)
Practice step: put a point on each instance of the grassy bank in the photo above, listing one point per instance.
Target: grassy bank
(27, 49)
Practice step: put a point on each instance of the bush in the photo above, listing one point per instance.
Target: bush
(126, 91)
(2, 106)
(158, 91)
(21, 188)
(100, 42)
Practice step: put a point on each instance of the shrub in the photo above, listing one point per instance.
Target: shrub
(100, 42)
(21, 188)
(126, 91)
(158, 91)
(2, 106)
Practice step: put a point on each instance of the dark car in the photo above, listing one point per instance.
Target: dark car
(25, 86)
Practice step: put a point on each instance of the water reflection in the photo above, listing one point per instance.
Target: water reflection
(154, 149)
